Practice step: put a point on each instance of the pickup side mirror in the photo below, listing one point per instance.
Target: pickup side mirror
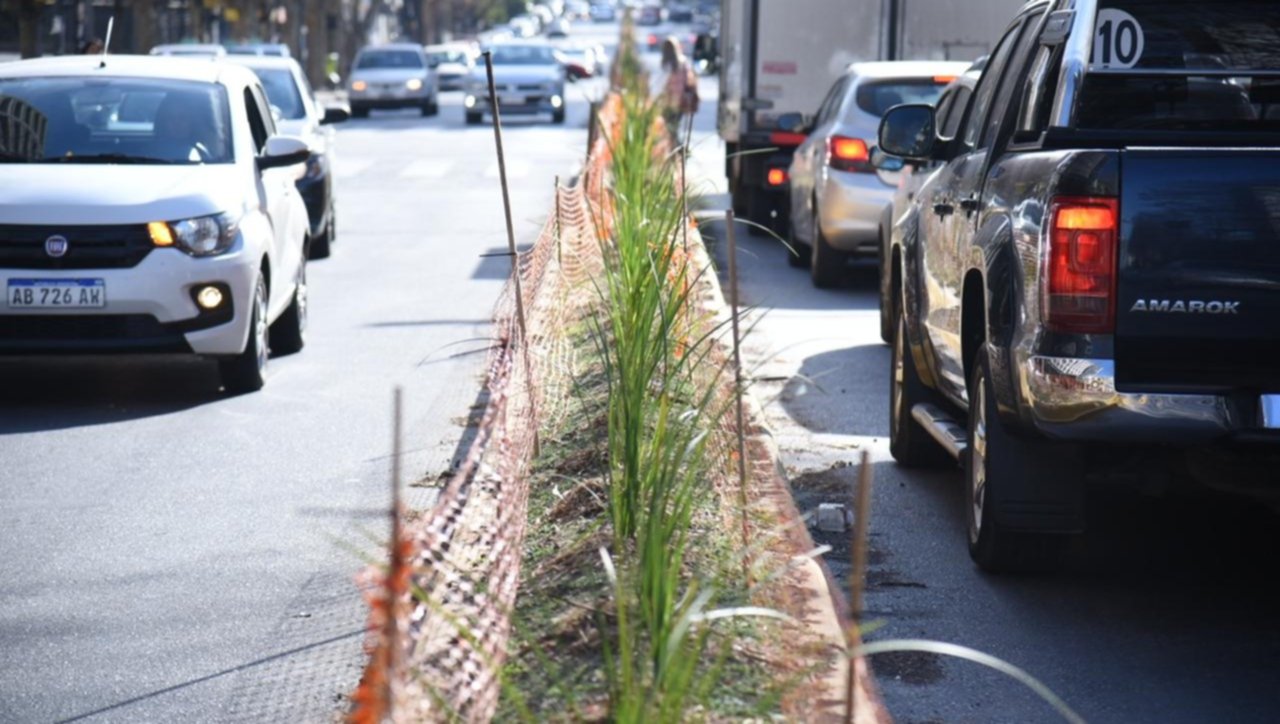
(908, 132)
(334, 114)
(282, 151)
(793, 123)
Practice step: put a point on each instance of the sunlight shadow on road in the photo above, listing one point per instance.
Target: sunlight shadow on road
(58, 393)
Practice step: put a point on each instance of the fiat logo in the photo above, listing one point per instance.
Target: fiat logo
(56, 246)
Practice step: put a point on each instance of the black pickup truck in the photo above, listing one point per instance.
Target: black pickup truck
(1087, 289)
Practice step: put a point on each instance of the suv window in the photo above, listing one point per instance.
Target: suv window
(949, 120)
(987, 86)
(1182, 37)
(1012, 80)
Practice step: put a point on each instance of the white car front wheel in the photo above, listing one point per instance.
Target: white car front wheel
(246, 372)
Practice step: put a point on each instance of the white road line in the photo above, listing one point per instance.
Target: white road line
(516, 169)
(352, 168)
(427, 168)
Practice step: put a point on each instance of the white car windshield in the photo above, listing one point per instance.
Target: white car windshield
(113, 120)
(523, 55)
(282, 92)
(380, 59)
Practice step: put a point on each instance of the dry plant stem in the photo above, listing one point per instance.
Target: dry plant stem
(737, 392)
(858, 575)
(397, 561)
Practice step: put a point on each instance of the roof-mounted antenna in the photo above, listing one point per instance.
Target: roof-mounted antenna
(111, 23)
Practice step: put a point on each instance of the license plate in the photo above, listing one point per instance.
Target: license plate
(510, 99)
(1271, 411)
(57, 293)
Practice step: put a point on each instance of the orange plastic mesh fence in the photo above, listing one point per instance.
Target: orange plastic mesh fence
(466, 552)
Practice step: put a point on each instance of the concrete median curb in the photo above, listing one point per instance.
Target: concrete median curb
(823, 607)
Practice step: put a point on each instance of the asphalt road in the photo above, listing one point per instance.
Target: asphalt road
(168, 553)
(1167, 612)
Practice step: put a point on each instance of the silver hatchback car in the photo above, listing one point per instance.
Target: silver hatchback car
(393, 76)
(836, 195)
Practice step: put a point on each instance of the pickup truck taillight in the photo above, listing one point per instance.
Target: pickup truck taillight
(849, 154)
(1079, 284)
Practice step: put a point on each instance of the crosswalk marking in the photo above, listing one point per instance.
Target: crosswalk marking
(427, 168)
(345, 168)
(516, 169)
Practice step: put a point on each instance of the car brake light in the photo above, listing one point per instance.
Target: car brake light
(849, 154)
(943, 79)
(1079, 285)
(787, 138)
(777, 176)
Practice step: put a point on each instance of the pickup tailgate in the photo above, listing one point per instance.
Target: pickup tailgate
(1198, 295)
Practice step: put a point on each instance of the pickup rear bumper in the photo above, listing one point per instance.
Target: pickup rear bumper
(1075, 399)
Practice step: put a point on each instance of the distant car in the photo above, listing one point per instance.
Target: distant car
(453, 63)
(203, 50)
(392, 76)
(300, 114)
(603, 13)
(558, 28)
(278, 50)
(836, 197)
(152, 210)
(577, 10)
(679, 14)
(649, 15)
(582, 60)
(529, 77)
(524, 26)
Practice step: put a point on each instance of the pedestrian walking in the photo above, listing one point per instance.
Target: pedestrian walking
(680, 94)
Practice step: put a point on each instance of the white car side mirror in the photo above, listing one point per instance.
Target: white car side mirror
(283, 151)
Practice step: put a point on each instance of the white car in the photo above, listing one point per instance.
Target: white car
(453, 63)
(397, 75)
(148, 205)
(529, 78)
(299, 113)
(190, 50)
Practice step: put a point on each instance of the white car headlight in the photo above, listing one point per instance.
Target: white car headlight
(201, 236)
(413, 84)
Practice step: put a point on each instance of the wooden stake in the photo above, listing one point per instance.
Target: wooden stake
(506, 194)
(857, 575)
(559, 228)
(511, 235)
(396, 563)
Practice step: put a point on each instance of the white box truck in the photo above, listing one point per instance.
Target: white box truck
(782, 56)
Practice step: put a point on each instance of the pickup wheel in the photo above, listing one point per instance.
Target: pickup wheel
(909, 444)
(997, 466)
(887, 293)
